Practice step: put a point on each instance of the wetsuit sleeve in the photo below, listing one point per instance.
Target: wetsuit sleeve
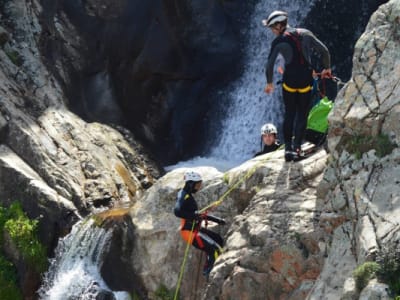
(310, 41)
(282, 48)
(181, 210)
(215, 219)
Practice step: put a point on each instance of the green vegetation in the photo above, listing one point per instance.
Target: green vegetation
(386, 269)
(23, 233)
(358, 145)
(225, 178)
(364, 273)
(8, 280)
(135, 296)
(14, 57)
(389, 272)
(163, 293)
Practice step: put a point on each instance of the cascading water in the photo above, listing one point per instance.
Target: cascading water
(244, 106)
(247, 106)
(74, 272)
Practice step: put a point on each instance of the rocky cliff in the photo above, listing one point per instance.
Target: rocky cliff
(56, 165)
(295, 230)
(299, 231)
(361, 182)
(147, 65)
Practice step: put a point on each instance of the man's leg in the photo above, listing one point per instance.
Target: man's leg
(303, 103)
(212, 247)
(288, 122)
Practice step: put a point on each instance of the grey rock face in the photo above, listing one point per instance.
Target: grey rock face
(361, 181)
(274, 244)
(149, 65)
(57, 165)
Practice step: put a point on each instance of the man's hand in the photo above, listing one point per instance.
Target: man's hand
(269, 88)
(326, 73)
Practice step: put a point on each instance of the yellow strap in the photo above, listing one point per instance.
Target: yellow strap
(293, 90)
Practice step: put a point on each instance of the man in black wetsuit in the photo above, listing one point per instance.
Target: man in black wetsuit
(268, 139)
(295, 45)
(191, 230)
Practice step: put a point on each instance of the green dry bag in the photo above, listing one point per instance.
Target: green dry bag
(318, 115)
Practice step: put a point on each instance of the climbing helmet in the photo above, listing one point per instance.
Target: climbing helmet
(192, 176)
(275, 17)
(268, 129)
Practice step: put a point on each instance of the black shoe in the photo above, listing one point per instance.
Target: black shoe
(297, 155)
(288, 155)
(207, 269)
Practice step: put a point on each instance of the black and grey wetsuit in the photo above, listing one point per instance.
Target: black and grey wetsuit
(201, 238)
(295, 45)
(268, 149)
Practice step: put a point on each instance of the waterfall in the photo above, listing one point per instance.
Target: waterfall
(245, 106)
(74, 271)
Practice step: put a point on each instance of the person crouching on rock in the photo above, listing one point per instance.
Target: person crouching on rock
(191, 230)
(268, 139)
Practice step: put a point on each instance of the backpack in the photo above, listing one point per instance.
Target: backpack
(317, 122)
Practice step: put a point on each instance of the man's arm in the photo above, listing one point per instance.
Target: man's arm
(310, 41)
(280, 48)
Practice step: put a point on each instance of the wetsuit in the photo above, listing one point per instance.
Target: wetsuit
(295, 46)
(201, 238)
(268, 149)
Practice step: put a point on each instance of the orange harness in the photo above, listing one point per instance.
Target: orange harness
(189, 236)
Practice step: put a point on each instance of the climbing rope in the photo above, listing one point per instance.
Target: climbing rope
(178, 285)
(212, 206)
(246, 176)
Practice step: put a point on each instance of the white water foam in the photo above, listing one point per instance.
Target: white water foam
(74, 272)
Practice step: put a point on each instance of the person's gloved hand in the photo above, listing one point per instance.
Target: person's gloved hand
(199, 216)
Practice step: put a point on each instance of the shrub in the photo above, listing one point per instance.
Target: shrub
(389, 273)
(8, 280)
(364, 273)
(360, 144)
(15, 58)
(225, 178)
(23, 232)
(163, 293)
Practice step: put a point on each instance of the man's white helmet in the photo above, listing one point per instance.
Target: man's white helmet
(192, 176)
(268, 129)
(275, 17)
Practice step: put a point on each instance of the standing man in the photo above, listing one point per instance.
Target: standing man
(295, 45)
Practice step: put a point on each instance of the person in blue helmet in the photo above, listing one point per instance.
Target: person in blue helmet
(191, 224)
(296, 46)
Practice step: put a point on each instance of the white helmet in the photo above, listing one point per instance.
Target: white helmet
(275, 17)
(268, 129)
(192, 176)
